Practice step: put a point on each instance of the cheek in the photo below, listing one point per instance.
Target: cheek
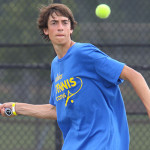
(51, 34)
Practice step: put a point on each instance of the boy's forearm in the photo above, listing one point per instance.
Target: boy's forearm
(139, 84)
(45, 111)
(141, 88)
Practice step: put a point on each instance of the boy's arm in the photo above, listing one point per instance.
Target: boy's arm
(139, 84)
(45, 111)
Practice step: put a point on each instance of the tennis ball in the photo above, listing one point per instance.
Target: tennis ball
(103, 11)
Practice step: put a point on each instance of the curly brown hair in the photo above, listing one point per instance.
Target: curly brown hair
(46, 11)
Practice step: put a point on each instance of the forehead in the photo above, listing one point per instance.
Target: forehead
(57, 16)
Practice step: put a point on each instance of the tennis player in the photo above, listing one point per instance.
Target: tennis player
(85, 95)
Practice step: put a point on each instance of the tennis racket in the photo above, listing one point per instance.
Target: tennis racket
(8, 111)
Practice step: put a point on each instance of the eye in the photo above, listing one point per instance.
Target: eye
(65, 22)
(53, 22)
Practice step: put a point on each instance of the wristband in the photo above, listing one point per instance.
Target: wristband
(13, 109)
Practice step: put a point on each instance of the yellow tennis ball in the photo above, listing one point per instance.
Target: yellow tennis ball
(103, 11)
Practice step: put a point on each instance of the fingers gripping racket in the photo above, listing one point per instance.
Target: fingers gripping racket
(8, 111)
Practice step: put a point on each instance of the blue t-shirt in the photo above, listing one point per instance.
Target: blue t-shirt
(89, 105)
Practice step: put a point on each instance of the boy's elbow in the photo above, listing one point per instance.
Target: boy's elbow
(130, 74)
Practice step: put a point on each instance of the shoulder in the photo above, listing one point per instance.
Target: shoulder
(88, 49)
(54, 61)
(85, 46)
(53, 66)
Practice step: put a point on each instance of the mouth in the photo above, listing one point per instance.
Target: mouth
(60, 35)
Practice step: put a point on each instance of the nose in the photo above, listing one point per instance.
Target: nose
(60, 26)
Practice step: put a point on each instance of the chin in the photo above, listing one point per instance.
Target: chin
(61, 42)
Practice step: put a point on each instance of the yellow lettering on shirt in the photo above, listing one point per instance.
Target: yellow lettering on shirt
(66, 84)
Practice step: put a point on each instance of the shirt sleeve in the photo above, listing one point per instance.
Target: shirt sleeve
(52, 97)
(109, 69)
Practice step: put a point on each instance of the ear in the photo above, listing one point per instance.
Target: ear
(45, 30)
(71, 31)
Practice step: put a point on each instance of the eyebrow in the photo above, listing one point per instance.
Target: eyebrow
(61, 20)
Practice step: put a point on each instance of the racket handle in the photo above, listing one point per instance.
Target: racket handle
(8, 111)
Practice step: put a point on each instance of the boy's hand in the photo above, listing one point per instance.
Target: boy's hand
(3, 108)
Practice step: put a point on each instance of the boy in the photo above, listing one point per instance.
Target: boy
(85, 96)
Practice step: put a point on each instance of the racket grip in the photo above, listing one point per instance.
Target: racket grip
(8, 111)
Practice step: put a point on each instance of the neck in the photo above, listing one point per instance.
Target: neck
(62, 49)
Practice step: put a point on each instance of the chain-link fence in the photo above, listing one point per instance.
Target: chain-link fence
(25, 65)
